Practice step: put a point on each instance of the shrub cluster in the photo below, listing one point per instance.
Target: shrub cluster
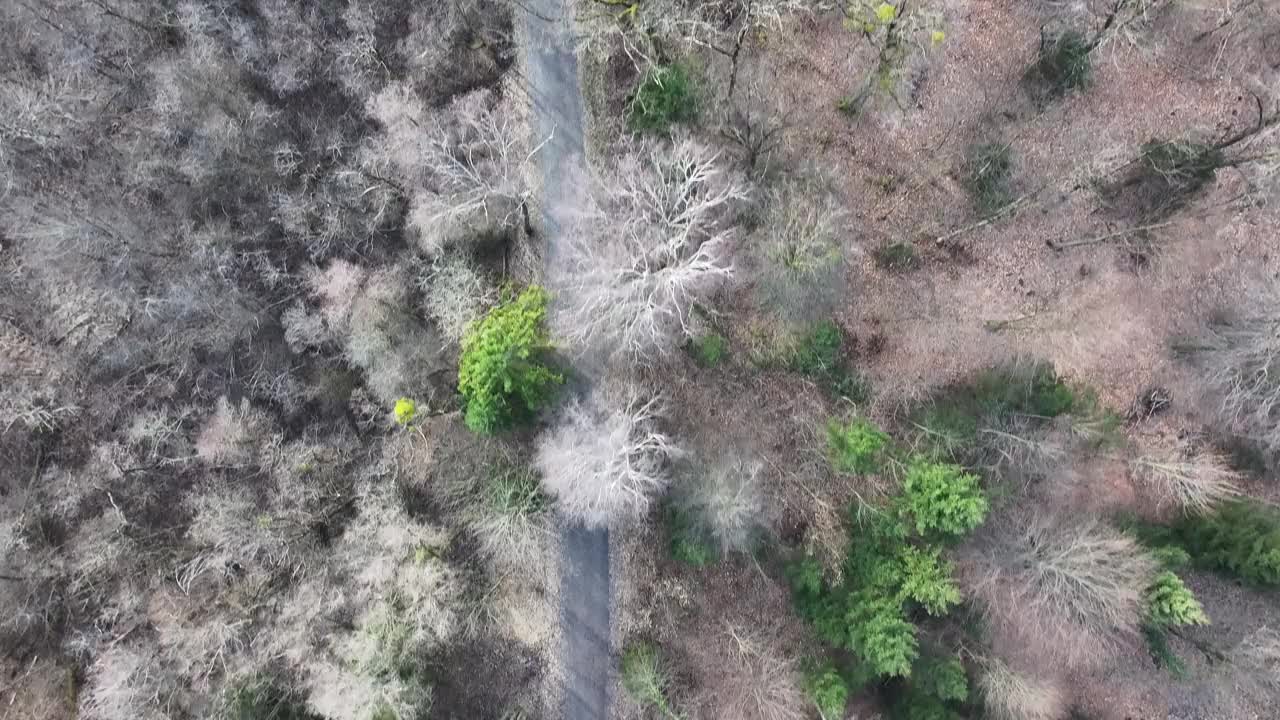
(1242, 538)
(894, 567)
(503, 373)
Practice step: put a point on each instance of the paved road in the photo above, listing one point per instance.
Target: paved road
(584, 583)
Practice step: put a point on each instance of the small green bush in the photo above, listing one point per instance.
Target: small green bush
(503, 375)
(937, 690)
(1162, 653)
(709, 350)
(644, 678)
(260, 697)
(828, 690)
(665, 97)
(1063, 63)
(514, 491)
(951, 422)
(819, 351)
(689, 544)
(943, 498)
(895, 256)
(1171, 604)
(818, 355)
(988, 171)
(1184, 166)
(855, 447)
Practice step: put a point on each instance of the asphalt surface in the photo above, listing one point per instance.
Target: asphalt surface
(553, 85)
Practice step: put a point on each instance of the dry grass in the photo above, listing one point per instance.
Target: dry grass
(1260, 653)
(1191, 481)
(1069, 588)
(1241, 360)
(756, 682)
(1010, 695)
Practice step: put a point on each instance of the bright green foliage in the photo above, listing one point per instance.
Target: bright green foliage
(885, 578)
(644, 678)
(1063, 63)
(881, 634)
(855, 447)
(1171, 557)
(1171, 604)
(827, 690)
(943, 498)
(926, 580)
(261, 698)
(665, 97)
(405, 410)
(709, 349)
(502, 374)
(894, 570)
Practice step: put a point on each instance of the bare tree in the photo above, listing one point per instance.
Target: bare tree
(654, 236)
(727, 502)
(1070, 587)
(756, 681)
(1191, 480)
(1241, 360)
(463, 167)
(801, 251)
(606, 460)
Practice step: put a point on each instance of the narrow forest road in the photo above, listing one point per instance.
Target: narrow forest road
(584, 582)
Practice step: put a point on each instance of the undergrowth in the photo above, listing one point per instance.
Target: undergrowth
(988, 171)
(665, 97)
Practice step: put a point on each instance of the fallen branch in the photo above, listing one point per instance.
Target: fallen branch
(1006, 210)
(1108, 237)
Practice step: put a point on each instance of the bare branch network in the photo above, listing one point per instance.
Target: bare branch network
(605, 464)
(654, 236)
